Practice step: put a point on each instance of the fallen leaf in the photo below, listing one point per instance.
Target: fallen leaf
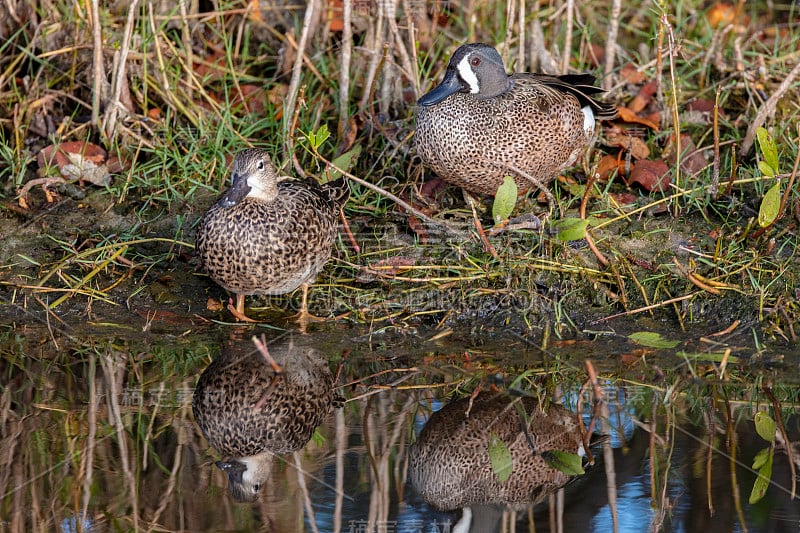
(631, 74)
(628, 115)
(336, 15)
(643, 98)
(58, 154)
(624, 198)
(86, 170)
(607, 165)
(721, 14)
(253, 98)
(650, 175)
(635, 356)
(76, 160)
(154, 113)
(348, 136)
(692, 159)
(627, 139)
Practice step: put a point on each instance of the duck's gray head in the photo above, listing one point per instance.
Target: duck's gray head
(253, 175)
(475, 68)
(245, 477)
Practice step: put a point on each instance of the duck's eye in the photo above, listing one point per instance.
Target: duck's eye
(475, 61)
(260, 164)
(256, 487)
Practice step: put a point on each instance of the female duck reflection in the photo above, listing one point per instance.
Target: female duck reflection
(450, 464)
(251, 402)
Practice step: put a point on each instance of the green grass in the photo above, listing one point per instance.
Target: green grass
(179, 156)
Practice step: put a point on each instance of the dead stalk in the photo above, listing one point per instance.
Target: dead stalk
(611, 44)
(294, 84)
(344, 72)
(115, 106)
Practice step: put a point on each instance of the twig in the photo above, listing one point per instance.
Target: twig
(568, 36)
(294, 84)
(114, 105)
(611, 43)
(589, 240)
(344, 72)
(713, 189)
(405, 205)
(646, 308)
(768, 108)
(99, 75)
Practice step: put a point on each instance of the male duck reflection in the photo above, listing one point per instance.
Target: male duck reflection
(269, 234)
(251, 403)
(450, 464)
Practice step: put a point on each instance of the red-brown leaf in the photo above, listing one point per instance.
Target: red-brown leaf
(651, 175)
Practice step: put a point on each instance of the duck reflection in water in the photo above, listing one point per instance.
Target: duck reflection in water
(252, 402)
(451, 467)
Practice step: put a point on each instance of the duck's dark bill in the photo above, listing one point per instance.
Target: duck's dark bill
(450, 84)
(239, 189)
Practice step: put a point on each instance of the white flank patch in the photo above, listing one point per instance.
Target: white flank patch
(588, 120)
(462, 526)
(466, 73)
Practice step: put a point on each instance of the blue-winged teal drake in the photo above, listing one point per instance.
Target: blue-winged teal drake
(251, 403)
(269, 234)
(450, 465)
(481, 124)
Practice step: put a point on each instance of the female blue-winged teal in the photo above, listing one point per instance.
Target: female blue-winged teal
(481, 124)
(251, 403)
(450, 466)
(269, 234)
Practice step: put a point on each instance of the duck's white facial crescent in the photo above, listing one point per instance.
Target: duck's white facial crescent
(468, 75)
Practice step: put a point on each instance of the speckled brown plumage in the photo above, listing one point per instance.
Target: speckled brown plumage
(245, 410)
(480, 124)
(269, 234)
(450, 465)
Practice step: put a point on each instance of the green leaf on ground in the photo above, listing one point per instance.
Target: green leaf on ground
(504, 200)
(570, 229)
(770, 206)
(344, 162)
(768, 149)
(500, 456)
(652, 340)
(766, 169)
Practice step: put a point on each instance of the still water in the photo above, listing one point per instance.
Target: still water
(100, 434)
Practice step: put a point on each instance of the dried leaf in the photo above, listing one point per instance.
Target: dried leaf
(623, 138)
(644, 97)
(624, 198)
(630, 74)
(253, 98)
(628, 115)
(651, 175)
(76, 160)
(721, 14)
(692, 159)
